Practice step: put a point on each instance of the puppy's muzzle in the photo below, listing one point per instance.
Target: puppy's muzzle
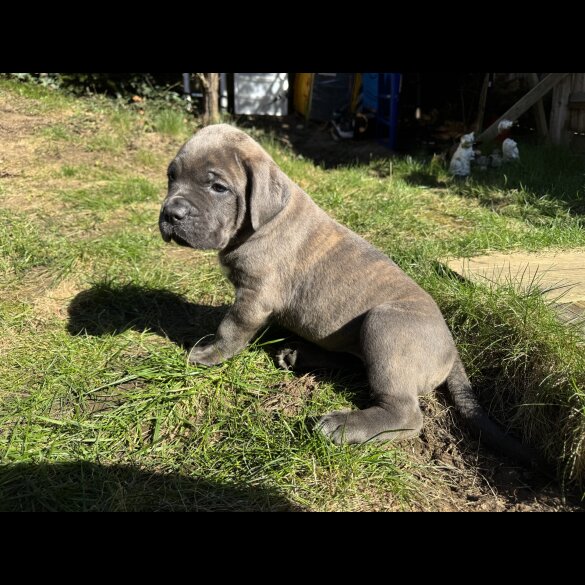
(176, 209)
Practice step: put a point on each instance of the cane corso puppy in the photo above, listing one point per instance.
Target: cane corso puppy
(292, 264)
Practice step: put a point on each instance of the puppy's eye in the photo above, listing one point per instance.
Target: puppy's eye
(172, 175)
(218, 188)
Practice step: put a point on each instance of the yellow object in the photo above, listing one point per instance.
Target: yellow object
(302, 92)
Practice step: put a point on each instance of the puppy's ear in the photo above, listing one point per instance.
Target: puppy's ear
(267, 192)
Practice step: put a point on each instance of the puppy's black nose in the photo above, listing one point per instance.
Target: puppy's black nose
(177, 208)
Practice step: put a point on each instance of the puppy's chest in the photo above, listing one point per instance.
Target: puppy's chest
(249, 275)
(225, 269)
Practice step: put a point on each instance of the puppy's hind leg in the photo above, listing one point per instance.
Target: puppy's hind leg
(399, 356)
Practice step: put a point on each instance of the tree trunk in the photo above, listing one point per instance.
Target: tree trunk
(210, 86)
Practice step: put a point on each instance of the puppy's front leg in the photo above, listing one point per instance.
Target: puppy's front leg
(245, 318)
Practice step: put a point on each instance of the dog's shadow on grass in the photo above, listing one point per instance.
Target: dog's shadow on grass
(83, 486)
(112, 309)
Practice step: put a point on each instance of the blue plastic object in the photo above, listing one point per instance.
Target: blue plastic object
(387, 113)
(380, 94)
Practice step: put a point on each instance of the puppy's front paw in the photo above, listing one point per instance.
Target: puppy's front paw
(208, 355)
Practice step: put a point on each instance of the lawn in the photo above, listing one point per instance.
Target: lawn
(98, 407)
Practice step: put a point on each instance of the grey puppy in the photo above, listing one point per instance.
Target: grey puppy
(293, 264)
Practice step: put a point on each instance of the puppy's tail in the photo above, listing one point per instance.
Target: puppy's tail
(477, 419)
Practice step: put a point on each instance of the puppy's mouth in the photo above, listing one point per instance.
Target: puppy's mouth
(169, 233)
(179, 240)
(166, 230)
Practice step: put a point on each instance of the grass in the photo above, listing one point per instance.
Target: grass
(112, 194)
(98, 408)
(171, 122)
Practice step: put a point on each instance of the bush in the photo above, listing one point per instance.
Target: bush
(151, 85)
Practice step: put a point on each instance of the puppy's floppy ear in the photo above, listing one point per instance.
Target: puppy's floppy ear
(267, 191)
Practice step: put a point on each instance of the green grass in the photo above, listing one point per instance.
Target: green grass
(58, 132)
(110, 143)
(37, 98)
(150, 159)
(168, 121)
(98, 407)
(113, 194)
(22, 246)
(524, 362)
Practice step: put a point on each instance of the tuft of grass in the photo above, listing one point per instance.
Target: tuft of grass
(58, 132)
(171, 122)
(22, 245)
(526, 363)
(106, 142)
(69, 171)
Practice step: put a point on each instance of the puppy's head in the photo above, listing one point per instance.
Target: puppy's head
(222, 186)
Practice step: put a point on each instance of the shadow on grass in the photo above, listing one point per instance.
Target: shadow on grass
(315, 142)
(112, 309)
(109, 309)
(548, 178)
(83, 487)
(424, 179)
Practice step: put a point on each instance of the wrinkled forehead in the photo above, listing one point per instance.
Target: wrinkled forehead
(224, 161)
(219, 151)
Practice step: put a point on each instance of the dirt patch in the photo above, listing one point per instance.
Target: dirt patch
(22, 159)
(459, 475)
(54, 302)
(290, 396)
(454, 473)
(16, 130)
(31, 159)
(35, 283)
(182, 254)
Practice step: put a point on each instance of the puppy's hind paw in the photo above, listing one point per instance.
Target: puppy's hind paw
(333, 426)
(286, 358)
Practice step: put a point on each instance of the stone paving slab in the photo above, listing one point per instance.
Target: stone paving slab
(559, 274)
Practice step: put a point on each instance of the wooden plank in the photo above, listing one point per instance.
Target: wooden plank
(523, 104)
(572, 313)
(577, 96)
(558, 274)
(538, 108)
(577, 105)
(579, 85)
(482, 102)
(559, 112)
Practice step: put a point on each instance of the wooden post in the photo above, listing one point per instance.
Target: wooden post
(523, 104)
(482, 101)
(559, 112)
(210, 85)
(577, 106)
(538, 108)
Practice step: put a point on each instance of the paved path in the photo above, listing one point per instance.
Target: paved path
(560, 275)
